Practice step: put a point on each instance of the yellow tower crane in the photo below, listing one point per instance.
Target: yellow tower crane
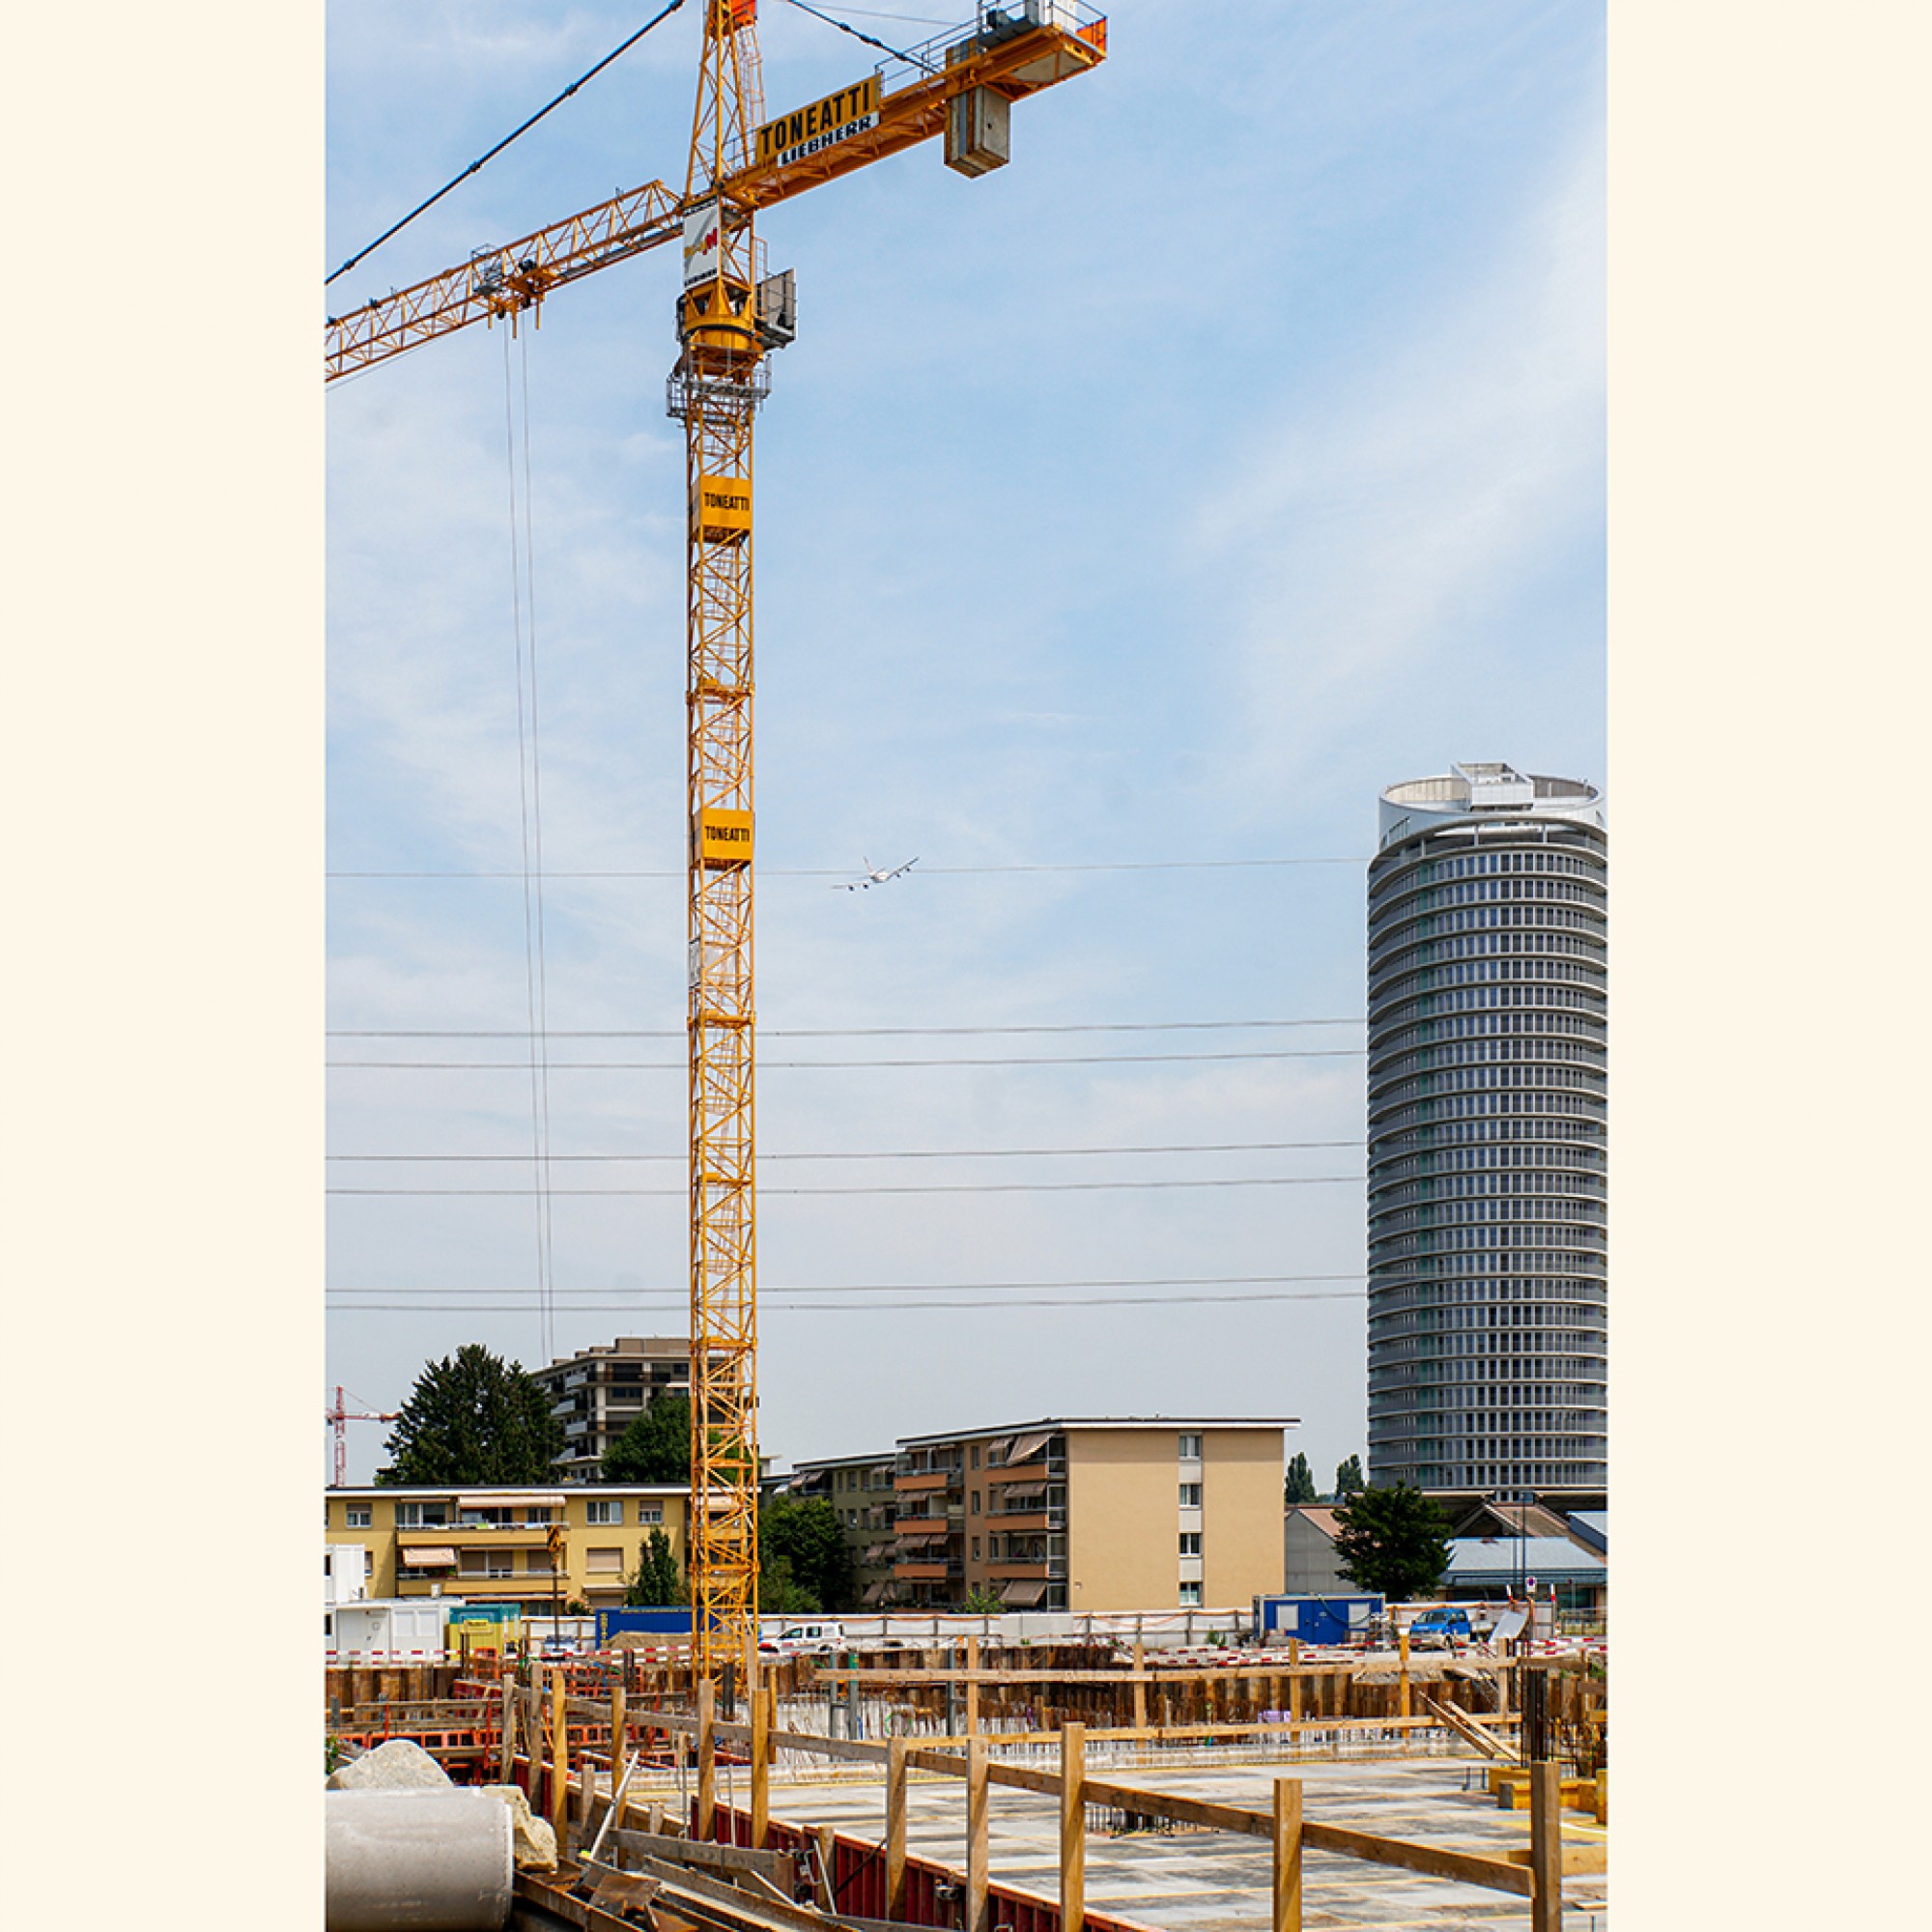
(731, 314)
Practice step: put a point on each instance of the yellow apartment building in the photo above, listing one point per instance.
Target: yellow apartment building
(1117, 1513)
(493, 1546)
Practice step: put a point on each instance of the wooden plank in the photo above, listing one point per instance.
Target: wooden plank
(977, 1837)
(722, 1860)
(1546, 1848)
(708, 1758)
(896, 1827)
(559, 1792)
(1287, 1854)
(762, 1760)
(1468, 1732)
(1139, 1685)
(1072, 1827)
(972, 1674)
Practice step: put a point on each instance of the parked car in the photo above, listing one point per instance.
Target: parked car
(1436, 1630)
(814, 1638)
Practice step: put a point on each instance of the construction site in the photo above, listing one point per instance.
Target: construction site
(972, 1785)
(1384, 1788)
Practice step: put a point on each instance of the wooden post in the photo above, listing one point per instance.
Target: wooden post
(1072, 1827)
(1545, 1847)
(977, 1919)
(1604, 1796)
(1287, 1854)
(586, 1793)
(560, 1759)
(828, 1857)
(620, 1741)
(1294, 1692)
(1402, 1651)
(762, 1760)
(506, 1760)
(708, 1758)
(972, 1686)
(1140, 1686)
(895, 1827)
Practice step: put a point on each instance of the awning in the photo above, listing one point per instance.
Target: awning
(428, 1556)
(500, 1499)
(1022, 1494)
(1024, 1590)
(873, 1592)
(1026, 1447)
(935, 1534)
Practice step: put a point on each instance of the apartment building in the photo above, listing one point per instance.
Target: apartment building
(599, 1392)
(493, 1546)
(861, 1490)
(1117, 1513)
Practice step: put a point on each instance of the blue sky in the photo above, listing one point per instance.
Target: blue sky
(1235, 452)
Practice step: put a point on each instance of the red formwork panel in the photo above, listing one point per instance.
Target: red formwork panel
(933, 1892)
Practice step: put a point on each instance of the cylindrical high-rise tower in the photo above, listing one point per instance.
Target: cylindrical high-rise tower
(1488, 1353)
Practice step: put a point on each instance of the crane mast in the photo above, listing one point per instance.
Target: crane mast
(730, 316)
(716, 387)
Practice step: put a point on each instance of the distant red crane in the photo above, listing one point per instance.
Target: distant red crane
(339, 1415)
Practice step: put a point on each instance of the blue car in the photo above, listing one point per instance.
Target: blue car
(1437, 1629)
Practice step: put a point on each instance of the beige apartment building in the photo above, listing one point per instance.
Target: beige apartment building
(493, 1545)
(599, 1392)
(1117, 1513)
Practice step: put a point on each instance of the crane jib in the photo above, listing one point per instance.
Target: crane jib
(824, 124)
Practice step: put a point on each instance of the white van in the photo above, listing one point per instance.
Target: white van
(805, 1638)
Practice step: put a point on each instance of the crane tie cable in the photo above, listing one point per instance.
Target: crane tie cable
(911, 59)
(493, 153)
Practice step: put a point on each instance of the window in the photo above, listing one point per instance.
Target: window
(650, 1512)
(422, 1515)
(604, 1562)
(975, 1455)
(976, 1502)
(356, 1516)
(975, 1549)
(1190, 1495)
(1190, 1596)
(604, 1512)
(1190, 1448)
(1191, 1542)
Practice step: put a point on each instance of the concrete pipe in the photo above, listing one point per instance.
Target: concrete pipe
(428, 1861)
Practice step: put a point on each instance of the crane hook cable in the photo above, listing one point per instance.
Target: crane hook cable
(420, 207)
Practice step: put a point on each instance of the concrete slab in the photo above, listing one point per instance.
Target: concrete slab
(1190, 1881)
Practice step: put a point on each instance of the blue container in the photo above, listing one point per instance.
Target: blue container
(1313, 1619)
(673, 1622)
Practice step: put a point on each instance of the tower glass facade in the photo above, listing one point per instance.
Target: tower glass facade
(1488, 1351)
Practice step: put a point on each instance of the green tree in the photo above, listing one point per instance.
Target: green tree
(780, 1593)
(473, 1419)
(1300, 1484)
(656, 1447)
(807, 1535)
(1395, 1541)
(981, 1602)
(658, 1584)
(1348, 1479)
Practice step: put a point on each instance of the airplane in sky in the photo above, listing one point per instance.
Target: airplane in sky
(875, 876)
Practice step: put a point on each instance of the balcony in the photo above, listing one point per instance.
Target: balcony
(928, 1573)
(916, 1480)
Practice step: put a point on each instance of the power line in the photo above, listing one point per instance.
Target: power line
(852, 1033)
(679, 1294)
(870, 1307)
(396, 228)
(907, 1187)
(897, 1154)
(822, 1065)
(924, 872)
